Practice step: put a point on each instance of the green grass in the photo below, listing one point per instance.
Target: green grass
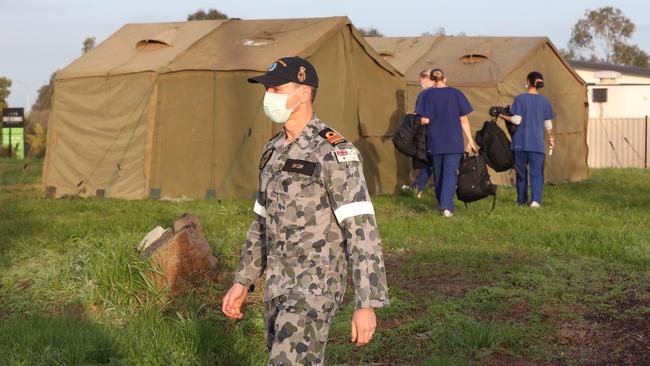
(475, 288)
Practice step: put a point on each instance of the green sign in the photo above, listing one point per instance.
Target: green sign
(13, 140)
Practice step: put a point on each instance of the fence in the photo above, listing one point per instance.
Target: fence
(618, 142)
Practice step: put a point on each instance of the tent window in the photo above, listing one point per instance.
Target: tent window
(473, 58)
(151, 44)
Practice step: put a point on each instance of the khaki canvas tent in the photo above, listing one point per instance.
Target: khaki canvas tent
(164, 110)
(492, 71)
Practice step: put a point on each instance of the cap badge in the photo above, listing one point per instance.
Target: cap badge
(273, 66)
(302, 75)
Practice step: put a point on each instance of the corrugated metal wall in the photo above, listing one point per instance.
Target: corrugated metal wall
(618, 142)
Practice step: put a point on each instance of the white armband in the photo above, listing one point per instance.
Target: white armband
(353, 209)
(548, 124)
(259, 209)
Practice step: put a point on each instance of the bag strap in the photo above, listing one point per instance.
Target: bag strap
(494, 201)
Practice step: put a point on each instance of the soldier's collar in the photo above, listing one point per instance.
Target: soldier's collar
(308, 133)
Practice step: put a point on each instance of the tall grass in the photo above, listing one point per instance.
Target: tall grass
(74, 291)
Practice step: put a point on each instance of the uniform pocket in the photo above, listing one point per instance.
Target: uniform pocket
(296, 184)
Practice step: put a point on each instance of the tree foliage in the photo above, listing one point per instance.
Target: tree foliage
(211, 14)
(603, 35)
(44, 99)
(89, 44)
(370, 32)
(631, 55)
(36, 137)
(5, 84)
(440, 31)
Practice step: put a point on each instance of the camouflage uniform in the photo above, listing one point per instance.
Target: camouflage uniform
(313, 212)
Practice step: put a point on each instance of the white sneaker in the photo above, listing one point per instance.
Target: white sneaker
(406, 188)
(535, 204)
(419, 195)
(447, 213)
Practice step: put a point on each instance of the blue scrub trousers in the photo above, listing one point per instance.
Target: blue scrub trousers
(423, 178)
(445, 177)
(529, 164)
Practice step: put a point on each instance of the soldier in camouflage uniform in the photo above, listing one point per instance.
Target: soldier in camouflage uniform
(312, 214)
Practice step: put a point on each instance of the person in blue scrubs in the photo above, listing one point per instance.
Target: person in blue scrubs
(444, 110)
(425, 173)
(533, 114)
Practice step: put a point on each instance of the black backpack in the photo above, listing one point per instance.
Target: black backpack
(495, 145)
(474, 181)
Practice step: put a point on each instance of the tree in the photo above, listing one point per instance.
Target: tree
(569, 54)
(440, 31)
(630, 55)
(212, 14)
(44, 99)
(600, 31)
(5, 84)
(89, 44)
(370, 32)
(36, 138)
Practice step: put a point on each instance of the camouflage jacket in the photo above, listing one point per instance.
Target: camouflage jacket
(313, 214)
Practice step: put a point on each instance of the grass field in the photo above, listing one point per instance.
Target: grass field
(565, 285)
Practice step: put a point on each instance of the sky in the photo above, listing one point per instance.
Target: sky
(40, 36)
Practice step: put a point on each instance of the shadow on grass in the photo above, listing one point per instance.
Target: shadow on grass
(65, 340)
(75, 340)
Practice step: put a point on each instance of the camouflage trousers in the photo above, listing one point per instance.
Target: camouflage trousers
(297, 327)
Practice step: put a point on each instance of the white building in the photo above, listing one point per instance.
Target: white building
(616, 91)
(619, 106)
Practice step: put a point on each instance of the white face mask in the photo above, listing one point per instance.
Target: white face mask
(275, 106)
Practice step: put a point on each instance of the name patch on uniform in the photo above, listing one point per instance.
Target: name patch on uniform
(331, 136)
(346, 155)
(299, 166)
(266, 157)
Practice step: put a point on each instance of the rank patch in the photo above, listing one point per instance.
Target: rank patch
(331, 136)
(299, 166)
(346, 155)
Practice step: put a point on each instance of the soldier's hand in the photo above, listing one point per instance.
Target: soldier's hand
(233, 301)
(364, 323)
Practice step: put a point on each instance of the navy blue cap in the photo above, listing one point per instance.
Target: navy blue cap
(288, 69)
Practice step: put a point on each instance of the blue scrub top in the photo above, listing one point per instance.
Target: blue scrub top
(443, 107)
(534, 109)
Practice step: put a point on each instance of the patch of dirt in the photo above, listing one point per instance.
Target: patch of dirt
(444, 281)
(517, 312)
(603, 339)
(500, 359)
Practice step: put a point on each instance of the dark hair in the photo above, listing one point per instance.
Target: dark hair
(437, 75)
(535, 79)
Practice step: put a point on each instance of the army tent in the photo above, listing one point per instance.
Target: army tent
(164, 110)
(492, 71)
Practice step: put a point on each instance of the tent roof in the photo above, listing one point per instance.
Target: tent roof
(467, 61)
(120, 54)
(232, 44)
